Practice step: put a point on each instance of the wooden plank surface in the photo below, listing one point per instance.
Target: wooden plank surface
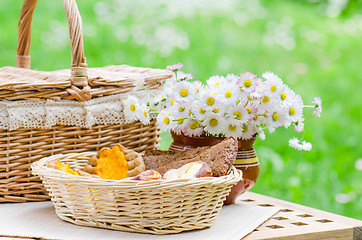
(298, 222)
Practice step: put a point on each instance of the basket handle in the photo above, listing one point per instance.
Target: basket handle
(79, 75)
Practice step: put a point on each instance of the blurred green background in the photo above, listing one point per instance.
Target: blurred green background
(314, 46)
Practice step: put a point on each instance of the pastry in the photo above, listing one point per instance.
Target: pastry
(147, 176)
(65, 167)
(115, 163)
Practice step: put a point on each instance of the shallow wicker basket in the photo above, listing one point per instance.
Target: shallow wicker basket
(33, 127)
(156, 207)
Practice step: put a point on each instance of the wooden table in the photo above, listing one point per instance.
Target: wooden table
(292, 222)
(297, 222)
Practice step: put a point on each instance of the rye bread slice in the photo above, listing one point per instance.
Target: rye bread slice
(155, 158)
(219, 157)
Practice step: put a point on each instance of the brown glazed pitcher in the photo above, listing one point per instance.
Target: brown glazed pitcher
(246, 159)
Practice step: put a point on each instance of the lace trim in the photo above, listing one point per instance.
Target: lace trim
(47, 113)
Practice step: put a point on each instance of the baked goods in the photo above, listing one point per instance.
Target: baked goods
(189, 170)
(156, 158)
(147, 176)
(219, 157)
(115, 163)
(65, 167)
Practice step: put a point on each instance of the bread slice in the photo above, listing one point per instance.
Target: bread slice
(219, 157)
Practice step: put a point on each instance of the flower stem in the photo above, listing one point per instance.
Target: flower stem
(153, 95)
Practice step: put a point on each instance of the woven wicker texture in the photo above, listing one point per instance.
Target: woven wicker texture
(20, 147)
(156, 207)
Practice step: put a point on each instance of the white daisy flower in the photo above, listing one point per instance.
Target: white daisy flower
(260, 133)
(192, 128)
(271, 76)
(228, 94)
(252, 110)
(295, 143)
(184, 91)
(178, 124)
(164, 119)
(318, 106)
(271, 85)
(285, 95)
(131, 108)
(198, 86)
(181, 76)
(198, 110)
(143, 114)
(238, 114)
(299, 125)
(295, 108)
(232, 129)
(209, 100)
(248, 82)
(276, 117)
(139, 82)
(181, 109)
(215, 81)
(214, 123)
(267, 102)
(175, 67)
(232, 78)
(248, 131)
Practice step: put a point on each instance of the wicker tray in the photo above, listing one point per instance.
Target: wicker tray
(156, 207)
(24, 140)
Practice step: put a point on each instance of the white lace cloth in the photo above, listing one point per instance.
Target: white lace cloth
(47, 113)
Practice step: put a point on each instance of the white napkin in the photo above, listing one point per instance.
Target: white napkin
(38, 219)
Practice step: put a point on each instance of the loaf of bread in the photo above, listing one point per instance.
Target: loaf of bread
(219, 157)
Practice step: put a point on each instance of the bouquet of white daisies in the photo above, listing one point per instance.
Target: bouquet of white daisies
(241, 106)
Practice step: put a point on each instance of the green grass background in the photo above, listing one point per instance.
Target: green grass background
(322, 58)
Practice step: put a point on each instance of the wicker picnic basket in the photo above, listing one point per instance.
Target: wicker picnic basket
(63, 111)
(156, 207)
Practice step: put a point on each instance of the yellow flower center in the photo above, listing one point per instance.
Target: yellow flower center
(166, 120)
(283, 96)
(238, 115)
(247, 83)
(232, 128)
(193, 125)
(180, 121)
(216, 110)
(184, 92)
(172, 102)
(228, 94)
(132, 107)
(273, 88)
(248, 110)
(197, 90)
(275, 116)
(250, 98)
(190, 112)
(145, 113)
(245, 128)
(292, 111)
(210, 101)
(181, 109)
(213, 122)
(217, 84)
(266, 99)
(202, 111)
